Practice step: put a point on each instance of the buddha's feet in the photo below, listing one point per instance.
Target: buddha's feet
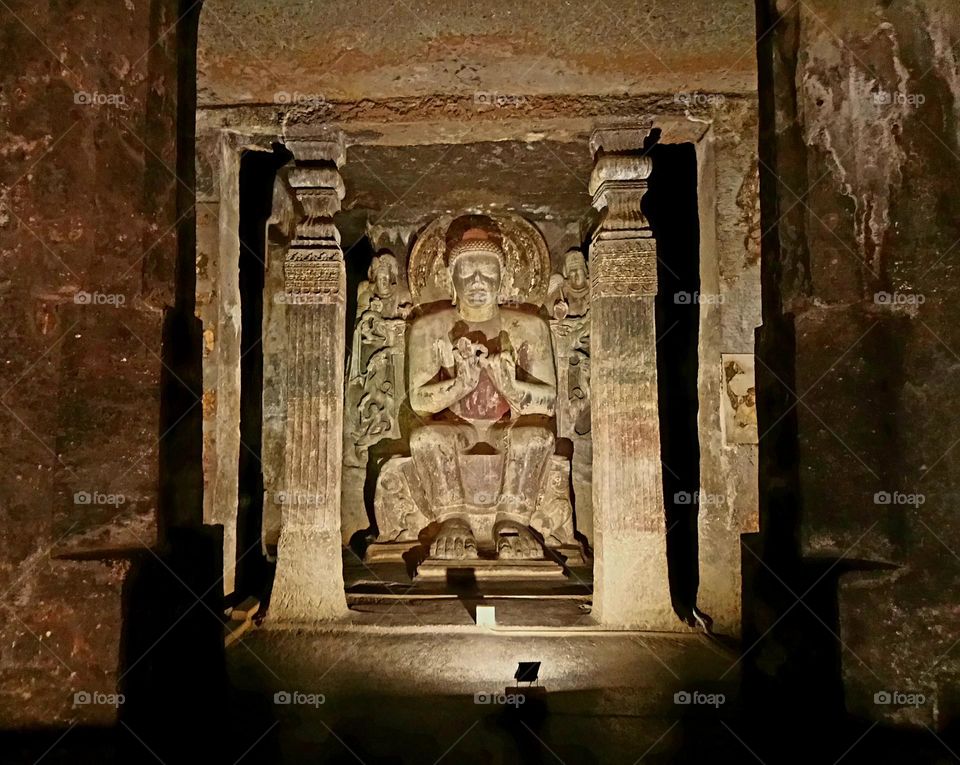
(455, 541)
(515, 541)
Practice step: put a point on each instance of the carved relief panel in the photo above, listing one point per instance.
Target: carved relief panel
(568, 301)
(375, 372)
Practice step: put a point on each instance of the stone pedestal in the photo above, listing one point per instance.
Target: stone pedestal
(467, 573)
(631, 586)
(309, 578)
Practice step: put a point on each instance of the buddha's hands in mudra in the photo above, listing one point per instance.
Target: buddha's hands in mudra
(472, 358)
(502, 370)
(468, 360)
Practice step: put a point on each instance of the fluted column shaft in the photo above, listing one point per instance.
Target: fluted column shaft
(630, 571)
(309, 578)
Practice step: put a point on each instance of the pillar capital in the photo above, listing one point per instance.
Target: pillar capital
(313, 268)
(620, 139)
(623, 253)
(325, 149)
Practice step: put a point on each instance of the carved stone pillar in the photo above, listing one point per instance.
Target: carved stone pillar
(631, 587)
(309, 578)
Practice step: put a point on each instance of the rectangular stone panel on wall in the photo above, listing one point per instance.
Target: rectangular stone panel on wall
(738, 402)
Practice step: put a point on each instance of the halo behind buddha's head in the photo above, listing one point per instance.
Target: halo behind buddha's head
(517, 244)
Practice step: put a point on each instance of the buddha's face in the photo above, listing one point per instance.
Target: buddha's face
(476, 279)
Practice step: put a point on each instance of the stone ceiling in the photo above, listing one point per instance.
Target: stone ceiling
(465, 106)
(255, 52)
(543, 181)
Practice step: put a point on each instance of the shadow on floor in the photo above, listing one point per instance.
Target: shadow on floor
(568, 727)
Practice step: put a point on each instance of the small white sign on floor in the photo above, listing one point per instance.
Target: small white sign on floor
(486, 616)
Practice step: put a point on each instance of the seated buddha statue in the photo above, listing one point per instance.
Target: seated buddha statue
(481, 379)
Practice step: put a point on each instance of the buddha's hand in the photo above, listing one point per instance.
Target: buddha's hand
(468, 366)
(502, 369)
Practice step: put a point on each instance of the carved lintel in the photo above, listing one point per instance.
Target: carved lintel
(624, 267)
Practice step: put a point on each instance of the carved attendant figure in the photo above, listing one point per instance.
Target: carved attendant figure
(569, 300)
(569, 293)
(481, 374)
(383, 282)
(375, 376)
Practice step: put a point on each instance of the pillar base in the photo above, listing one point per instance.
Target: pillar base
(631, 586)
(308, 586)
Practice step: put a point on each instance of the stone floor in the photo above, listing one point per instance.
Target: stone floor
(422, 694)
(398, 686)
(412, 696)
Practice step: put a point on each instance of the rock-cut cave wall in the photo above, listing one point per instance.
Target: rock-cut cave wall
(860, 347)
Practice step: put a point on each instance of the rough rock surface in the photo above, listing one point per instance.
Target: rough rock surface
(860, 149)
(87, 243)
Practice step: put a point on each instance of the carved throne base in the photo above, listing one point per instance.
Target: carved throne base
(402, 515)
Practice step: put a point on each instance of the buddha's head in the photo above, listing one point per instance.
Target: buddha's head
(575, 271)
(476, 269)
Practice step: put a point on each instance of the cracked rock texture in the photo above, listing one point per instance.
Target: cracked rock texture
(859, 288)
